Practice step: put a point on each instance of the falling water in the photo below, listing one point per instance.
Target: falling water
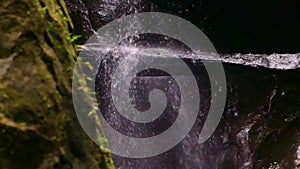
(247, 124)
(259, 127)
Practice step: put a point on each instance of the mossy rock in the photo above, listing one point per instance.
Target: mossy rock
(38, 125)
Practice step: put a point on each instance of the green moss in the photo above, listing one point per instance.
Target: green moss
(35, 93)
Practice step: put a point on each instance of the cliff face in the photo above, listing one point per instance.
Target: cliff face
(38, 125)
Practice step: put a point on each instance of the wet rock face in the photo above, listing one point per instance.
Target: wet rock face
(260, 125)
(233, 26)
(262, 115)
(89, 15)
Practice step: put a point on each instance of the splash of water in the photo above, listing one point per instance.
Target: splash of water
(273, 61)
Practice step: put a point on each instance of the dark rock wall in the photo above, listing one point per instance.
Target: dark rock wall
(260, 127)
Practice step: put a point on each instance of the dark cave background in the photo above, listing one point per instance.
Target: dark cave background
(244, 26)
